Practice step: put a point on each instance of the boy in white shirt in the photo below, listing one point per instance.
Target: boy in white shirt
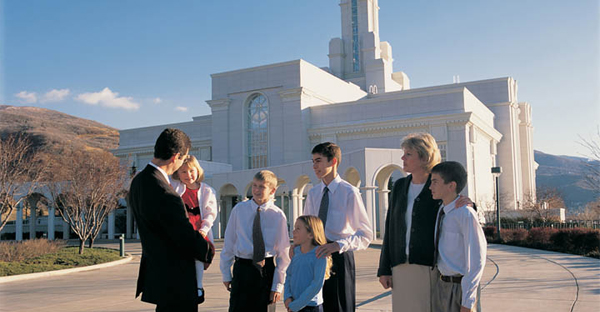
(256, 237)
(347, 227)
(460, 244)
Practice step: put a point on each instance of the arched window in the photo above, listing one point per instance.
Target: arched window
(258, 116)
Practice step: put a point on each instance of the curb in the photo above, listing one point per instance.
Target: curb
(22, 277)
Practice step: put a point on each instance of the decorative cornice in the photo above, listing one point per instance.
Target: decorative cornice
(288, 95)
(149, 149)
(218, 105)
(383, 128)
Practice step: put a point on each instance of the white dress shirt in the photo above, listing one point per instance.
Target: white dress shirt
(462, 249)
(413, 192)
(347, 220)
(238, 239)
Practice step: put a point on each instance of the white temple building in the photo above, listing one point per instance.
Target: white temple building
(271, 116)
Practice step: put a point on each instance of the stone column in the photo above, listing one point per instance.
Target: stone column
(66, 230)
(111, 225)
(50, 222)
(383, 209)
(295, 207)
(19, 223)
(137, 233)
(32, 222)
(129, 223)
(368, 194)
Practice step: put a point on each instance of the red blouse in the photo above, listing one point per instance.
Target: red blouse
(190, 199)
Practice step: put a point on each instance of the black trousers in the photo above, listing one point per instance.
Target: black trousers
(318, 308)
(183, 307)
(339, 291)
(250, 288)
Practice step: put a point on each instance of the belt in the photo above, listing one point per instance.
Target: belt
(451, 279)
(250, 261)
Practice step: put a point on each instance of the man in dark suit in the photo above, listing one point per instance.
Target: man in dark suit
(170, 245)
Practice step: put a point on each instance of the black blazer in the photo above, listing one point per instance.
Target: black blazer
(421, 248)
(169, 243)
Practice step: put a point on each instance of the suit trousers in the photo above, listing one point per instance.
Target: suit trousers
(447, 296)
(183, 307)
(339, 291)
(251, 288)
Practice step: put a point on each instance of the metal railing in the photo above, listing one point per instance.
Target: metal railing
(569, 224)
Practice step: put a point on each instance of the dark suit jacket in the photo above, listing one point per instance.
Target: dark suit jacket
(169, 243)
(421, 247)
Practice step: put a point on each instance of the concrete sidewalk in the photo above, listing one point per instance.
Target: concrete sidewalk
(515, 279)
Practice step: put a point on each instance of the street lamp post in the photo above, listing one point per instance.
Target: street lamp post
(496, 171)
(133, 170)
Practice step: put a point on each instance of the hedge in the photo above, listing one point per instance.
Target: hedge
(577, 241)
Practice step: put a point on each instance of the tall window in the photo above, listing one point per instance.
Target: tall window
(258, 116)
(355, 46)
(442, 148)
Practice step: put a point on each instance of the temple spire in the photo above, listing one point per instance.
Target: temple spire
(359, 56)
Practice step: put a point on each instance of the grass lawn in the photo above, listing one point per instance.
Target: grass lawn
(67, 257)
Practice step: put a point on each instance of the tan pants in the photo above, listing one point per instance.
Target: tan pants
(411, 288)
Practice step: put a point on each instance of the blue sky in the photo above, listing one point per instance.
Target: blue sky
(140, 63)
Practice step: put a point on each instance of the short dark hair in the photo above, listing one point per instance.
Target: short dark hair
(329, 150)
(452, 171)
(170, 142)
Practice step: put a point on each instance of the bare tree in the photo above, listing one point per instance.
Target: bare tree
(20, 170)
(85, 187)
(541, 207)
(591, 211)
(593, 166)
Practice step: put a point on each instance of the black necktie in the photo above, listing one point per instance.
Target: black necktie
(257, 241)
(324, 206)
(438, 234)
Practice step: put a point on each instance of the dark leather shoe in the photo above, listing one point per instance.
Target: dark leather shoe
(201, 298)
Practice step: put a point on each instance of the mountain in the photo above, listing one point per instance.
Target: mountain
(53, 131)
(566, 174)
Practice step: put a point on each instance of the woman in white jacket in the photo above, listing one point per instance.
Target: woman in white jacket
(200, 204)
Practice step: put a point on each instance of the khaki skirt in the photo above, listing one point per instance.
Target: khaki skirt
(411, 288)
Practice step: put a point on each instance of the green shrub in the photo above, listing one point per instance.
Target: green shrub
(514, 236)
(490, 233)
(67, 257)
(577, 241)
(540, 237)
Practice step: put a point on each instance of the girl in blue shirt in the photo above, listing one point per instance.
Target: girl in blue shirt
(306, 273)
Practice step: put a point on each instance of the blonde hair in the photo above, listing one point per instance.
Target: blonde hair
(425, 146)
(267, 176)
(191, 162)
(314, 225)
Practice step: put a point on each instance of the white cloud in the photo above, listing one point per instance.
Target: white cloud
(157, 100)
(26, 97)
(107, 98)
(181, 109)
(55, 95)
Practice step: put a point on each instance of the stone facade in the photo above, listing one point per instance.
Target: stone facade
(364, 107)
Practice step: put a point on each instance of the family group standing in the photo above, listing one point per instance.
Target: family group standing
(430, 265)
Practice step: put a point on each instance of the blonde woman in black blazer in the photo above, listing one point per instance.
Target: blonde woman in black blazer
(408, 244)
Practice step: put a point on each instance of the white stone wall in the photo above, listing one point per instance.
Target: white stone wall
(526, 149)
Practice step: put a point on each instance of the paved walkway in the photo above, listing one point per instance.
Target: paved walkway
(515, 279)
